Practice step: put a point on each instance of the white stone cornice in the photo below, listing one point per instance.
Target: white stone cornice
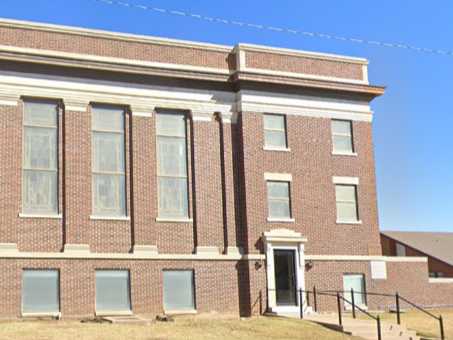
(142, 110)
(201, 115)
(76, 104)
(9, 99)
(228, 117)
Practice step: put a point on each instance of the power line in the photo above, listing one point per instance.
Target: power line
(277, 29)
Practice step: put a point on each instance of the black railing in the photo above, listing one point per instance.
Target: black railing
(398, 298)
(314, 294)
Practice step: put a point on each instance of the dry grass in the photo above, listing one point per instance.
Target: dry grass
(199, 327)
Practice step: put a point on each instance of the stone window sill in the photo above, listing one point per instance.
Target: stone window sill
(349, 222)
(269, 148)
(181, 312)
(336, 153)
(174, 220)
(42, 315)
(57, 216)
(113, 312)
(281, 220)
(110, 218)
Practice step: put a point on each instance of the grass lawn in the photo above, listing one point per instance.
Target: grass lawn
(423, 324)
(193, 327)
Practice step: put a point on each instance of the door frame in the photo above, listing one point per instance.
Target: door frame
(284, 239)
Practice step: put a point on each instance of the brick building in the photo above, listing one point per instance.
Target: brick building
(436, 246)
(142, 175)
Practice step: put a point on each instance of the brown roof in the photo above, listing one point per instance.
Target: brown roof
(435, 244)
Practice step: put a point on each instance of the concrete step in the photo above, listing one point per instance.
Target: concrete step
(366, 329)
(129, 319)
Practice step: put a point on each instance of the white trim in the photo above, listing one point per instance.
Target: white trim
(113, 313)
(349, 222)
(77, 93)
(345, 180)
(269, 148)
(13, 254)
(365, 258)
(145, 249)
(174, 220)
(271, 176)
(303, 105)
(54, 216)
(440, 280)
(41, 314)
(181, 312)
(281, 220)
(9, 248)
(110, 218)
(142, 110)
(284, 239)
(337, 153)
(77, 248)
(5, 102)
(207, 250)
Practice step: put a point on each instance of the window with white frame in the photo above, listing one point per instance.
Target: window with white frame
(275, 131)
(108, 161)
(40, 158)
(172, 174)
(342, 137)
(278, 199)
(346, 199)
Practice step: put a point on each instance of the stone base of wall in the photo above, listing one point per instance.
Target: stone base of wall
(220, 286)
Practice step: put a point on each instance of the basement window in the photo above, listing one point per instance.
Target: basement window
(179, 290)
(112, 291)
(40, 291)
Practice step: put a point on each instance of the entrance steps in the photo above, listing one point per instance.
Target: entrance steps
(129, 319)
(363, 328)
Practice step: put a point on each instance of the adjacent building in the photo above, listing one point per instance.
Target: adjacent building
(149, 175)
(436, 246)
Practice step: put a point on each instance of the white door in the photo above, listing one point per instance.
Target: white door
(357, 283)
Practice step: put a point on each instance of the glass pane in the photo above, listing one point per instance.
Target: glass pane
(347, 212)
(172, 156)
(278, 189)
(342, 144)
(108, 152)
(109, 195)
(279, 209)
(285, 278)
(345, 192)
(276, 139)
(40, 292)
(356, 282)
(40, 113)
(107, 118)
(112, 290)
(178, 290)
(40, 191)
(274, 122)
(171, 124)
(173, 197)
(342, 127)
(40, 151)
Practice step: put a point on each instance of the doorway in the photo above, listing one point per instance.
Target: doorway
(285, 277)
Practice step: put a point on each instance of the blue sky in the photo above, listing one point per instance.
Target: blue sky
(413, 120)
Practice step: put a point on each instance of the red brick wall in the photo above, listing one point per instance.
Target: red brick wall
(312, 166)
(219, 285)
(303, 64)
